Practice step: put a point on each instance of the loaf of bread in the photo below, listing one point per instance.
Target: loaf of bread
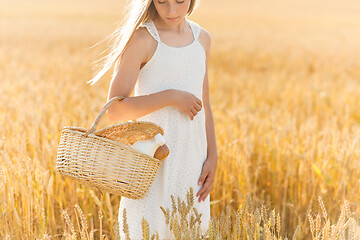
(162, 152)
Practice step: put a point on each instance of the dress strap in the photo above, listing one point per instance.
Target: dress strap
(195, 27)
(150, 26)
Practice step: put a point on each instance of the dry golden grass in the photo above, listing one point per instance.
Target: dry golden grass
(284, 87)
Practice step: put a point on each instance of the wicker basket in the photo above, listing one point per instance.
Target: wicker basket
(104, 158)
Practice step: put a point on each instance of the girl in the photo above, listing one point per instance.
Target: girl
(163, 56)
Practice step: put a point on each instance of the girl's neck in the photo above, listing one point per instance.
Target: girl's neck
(176, 27)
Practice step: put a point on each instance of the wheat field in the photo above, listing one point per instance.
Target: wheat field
(284, 88)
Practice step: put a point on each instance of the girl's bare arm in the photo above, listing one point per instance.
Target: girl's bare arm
(140, 48)
(209, 119)
(132, 108)
(207, 176)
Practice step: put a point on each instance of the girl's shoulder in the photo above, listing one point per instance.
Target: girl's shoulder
(143, 36)
(140, 46)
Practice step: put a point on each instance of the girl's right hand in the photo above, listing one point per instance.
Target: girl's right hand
(187, 102)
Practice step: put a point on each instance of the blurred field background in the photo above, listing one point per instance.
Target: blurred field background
(284, 88)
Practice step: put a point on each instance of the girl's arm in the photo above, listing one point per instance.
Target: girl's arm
(207, 176)
(139, 50)
(131, 108)
(210, 132)
(209, 119)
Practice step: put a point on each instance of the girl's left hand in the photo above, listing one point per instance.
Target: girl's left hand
(207, 174)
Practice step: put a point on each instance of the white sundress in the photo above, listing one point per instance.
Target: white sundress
(180, 68)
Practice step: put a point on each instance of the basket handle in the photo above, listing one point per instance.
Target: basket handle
(101, 113)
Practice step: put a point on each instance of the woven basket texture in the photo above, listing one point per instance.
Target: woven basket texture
(104, 158)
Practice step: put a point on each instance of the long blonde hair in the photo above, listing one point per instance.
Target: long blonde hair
(137, 12)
